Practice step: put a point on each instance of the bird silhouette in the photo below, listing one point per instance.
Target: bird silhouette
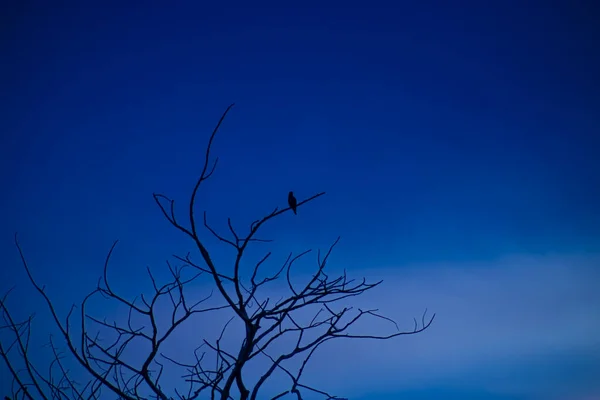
(292, 202)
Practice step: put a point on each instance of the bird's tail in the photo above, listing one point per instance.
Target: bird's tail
(294, 210)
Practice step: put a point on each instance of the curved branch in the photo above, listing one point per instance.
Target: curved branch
(205, 173)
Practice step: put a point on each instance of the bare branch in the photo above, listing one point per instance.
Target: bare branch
(308, 314)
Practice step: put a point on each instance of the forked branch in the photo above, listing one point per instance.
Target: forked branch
(301, 321)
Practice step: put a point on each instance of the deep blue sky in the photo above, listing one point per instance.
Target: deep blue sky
(443, 132)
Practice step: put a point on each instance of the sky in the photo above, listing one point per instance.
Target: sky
(457, 143)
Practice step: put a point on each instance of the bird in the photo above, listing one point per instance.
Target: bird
(292, 202)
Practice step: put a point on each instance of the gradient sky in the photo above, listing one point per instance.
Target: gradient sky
(457, 141)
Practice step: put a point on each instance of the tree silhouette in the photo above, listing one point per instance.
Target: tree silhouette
(100, 348)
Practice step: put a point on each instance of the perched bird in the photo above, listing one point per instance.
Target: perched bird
(292, 202)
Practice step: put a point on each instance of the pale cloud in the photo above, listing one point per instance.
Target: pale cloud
(494, 321)
(510, 312)
(502, 326)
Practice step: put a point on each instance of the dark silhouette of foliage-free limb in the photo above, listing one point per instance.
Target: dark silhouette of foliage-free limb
(102, 354)
(276, 335)
(273, 321)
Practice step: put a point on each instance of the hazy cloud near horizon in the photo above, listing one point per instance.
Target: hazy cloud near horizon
(521, 326)
(501, 326)
(524, 327)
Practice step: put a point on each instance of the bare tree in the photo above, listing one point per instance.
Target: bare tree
(101, 349)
